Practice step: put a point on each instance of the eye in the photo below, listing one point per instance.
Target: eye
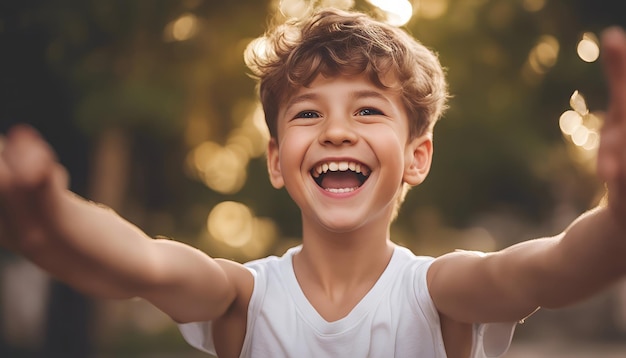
(307, 114)
(368, 112)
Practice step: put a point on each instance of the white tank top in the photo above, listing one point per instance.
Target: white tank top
(396, 318)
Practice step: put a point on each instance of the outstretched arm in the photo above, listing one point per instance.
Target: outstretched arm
(91, 248)
(551, 272)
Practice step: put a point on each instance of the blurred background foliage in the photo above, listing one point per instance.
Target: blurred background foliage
(149, 106)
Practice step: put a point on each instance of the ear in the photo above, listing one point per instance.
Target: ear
(273, 164)
(417, 159)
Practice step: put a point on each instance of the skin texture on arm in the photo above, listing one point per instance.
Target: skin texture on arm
(550, 272)
(91, 248)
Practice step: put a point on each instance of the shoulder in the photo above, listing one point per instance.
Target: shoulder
(405, 254)
(407, 269)
(407, 277)
(271, 264)
(245, 275)
(411, 264)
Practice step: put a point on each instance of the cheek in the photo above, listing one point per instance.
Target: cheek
(387, 138)
(295, 140)
(293, 149)
(390, 150)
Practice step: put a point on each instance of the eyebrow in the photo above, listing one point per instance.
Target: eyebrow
(355, 95)
(369, 94)
(301, 98)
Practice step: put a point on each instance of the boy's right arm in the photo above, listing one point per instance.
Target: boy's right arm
(553, 272)
(94, 250)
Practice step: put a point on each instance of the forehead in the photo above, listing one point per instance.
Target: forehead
(344, 86)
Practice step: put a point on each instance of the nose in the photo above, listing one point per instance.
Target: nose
(338, 131)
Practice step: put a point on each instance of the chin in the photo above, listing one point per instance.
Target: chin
(339, 224)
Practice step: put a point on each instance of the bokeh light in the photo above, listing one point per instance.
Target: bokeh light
(398, 12)
(569, 121)
(533, 5)
(224, 168)
(578, 103)
(588, 48)
(580, 126)
(338, 4)
(544, 55)
(231, 222)
(181, 29)
(220, 168)
(295, 8)
(265, 234)
(432, 9)
(541, 58)
(235, 225)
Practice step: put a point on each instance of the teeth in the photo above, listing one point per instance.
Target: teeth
(341, 190)
(340, 166)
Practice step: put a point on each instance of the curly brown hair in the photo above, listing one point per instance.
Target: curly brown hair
(334, 42)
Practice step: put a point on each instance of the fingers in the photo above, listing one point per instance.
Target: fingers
(28, 169)
(26, 160)
(612, 151)
(608, 154)
(614, 60)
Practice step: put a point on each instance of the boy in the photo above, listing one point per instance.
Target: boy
(350, 104)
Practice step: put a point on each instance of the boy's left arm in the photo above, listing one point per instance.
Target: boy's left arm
(551, 272)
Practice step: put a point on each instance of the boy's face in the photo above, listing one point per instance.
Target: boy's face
(343, 152)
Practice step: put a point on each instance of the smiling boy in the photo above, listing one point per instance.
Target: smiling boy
(350, 103)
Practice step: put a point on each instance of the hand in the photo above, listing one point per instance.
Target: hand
(30, 177)
(612, 151)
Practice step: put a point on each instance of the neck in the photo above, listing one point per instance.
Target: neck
(343, 259)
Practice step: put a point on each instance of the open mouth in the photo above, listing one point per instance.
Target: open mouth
(340, 177)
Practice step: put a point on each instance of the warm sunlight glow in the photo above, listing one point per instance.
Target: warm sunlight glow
(541, 58)
(581, 127)
(337, 4)
(578, 103)
(580, 135)
(592, 142)
(235, 225)
(231, 223)
(222, 169)
(295, 8)
(432, 9)
(181, 29)
(252, 134)
(259, 46)
(398, 12)
(185, 27)
(544, 55)
(265, 233)
(570, 121)
(588, 49)
(533, 5)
